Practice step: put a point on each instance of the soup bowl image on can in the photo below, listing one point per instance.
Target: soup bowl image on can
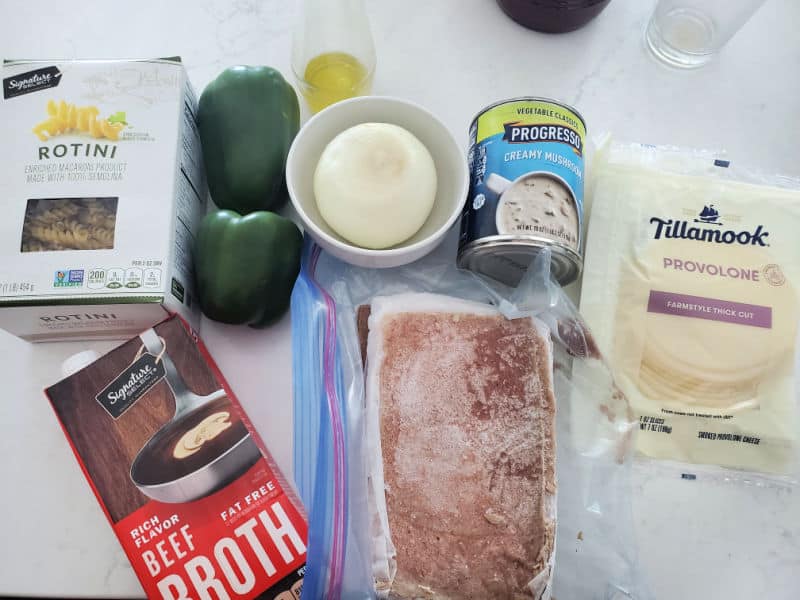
(538, 202)
(526, 190)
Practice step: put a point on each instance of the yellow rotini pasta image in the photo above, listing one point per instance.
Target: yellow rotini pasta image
(64, 117)
(69, 224)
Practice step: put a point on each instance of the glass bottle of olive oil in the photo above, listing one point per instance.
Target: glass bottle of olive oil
(333, 56)
(334, 76)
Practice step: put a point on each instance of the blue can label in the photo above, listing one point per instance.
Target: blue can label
(527, 173)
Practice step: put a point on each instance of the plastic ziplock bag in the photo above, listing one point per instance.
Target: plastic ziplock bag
(595, 553)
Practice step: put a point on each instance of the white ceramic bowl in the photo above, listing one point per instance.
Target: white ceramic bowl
(451, 171)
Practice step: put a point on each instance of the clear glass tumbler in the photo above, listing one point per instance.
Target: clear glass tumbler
(688, 33)
(333, 55)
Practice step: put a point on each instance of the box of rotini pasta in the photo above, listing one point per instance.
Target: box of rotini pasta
(102, 191)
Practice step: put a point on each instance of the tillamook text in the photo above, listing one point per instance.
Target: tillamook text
(682, 230)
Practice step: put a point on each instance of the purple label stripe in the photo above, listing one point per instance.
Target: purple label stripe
(711, 309)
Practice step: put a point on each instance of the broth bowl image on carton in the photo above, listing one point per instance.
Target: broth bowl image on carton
(202, 448)
(188, 486)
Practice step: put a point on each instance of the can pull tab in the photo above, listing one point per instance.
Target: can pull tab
(497, 183)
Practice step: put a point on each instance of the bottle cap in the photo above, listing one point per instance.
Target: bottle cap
(78, 361)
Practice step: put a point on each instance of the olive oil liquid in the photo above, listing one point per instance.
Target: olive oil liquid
(332, 77)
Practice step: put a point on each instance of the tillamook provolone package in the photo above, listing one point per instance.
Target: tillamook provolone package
(691, 290)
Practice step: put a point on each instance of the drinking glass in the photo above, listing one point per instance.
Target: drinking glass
(687, 33)
(333, 55)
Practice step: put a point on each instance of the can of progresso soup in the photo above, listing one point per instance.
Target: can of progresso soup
(526, 190)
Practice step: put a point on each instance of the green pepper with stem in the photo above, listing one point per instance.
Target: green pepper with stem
(247, 118)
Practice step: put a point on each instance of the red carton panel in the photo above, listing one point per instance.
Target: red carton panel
(191, 491)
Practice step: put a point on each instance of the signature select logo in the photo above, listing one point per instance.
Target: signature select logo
(713, 231)
(31, 81)
(35, 80)
(133, 383)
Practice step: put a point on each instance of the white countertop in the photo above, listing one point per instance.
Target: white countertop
(696, 540)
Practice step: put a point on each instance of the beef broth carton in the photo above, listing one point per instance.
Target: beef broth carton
(188, 486)
(102, 191)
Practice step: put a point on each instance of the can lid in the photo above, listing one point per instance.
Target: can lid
(78, 361)
(507, 260)
(565, 267)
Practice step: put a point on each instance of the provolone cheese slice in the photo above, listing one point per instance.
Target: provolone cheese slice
(709, 324)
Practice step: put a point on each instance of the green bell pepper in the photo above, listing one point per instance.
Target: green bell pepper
(247, 119)
(245, 267)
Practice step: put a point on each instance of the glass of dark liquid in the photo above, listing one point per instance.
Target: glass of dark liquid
(553, 16)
